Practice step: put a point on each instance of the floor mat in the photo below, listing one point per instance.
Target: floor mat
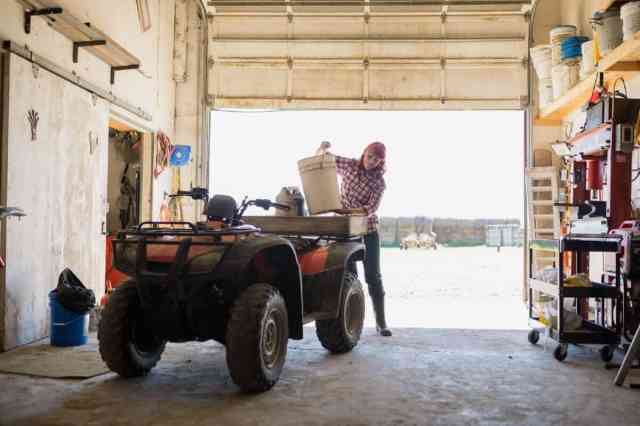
(43, 360)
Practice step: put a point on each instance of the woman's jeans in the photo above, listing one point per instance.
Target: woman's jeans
(372, 274)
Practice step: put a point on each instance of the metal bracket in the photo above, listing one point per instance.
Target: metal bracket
(443, 16)
(38, 12)
(79, 44)
(122, 68)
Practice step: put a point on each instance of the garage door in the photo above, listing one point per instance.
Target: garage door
(392, 55)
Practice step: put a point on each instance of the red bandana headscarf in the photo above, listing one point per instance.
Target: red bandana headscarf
(380, 151)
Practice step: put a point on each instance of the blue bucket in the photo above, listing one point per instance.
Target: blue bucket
(68, 328)
(571, 47)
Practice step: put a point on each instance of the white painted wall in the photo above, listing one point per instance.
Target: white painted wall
(46, 195)
(60, 182)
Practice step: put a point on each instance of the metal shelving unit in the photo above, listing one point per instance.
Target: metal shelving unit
(606, 328)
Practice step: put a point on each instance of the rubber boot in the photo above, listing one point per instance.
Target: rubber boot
(381, 322)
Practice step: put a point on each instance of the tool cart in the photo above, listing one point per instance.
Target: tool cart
(605, 326)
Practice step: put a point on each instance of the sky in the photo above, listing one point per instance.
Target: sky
(458, 164)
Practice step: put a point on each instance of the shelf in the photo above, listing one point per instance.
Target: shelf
(85, 36)
(596, 290)
(544, 245)
(591, 243)
(623, 61)
(543, 287)
(590, 333)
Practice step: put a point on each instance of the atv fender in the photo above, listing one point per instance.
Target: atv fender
(268, 259)
(323, 273)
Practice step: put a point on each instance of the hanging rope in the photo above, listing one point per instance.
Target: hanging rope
(164, 149)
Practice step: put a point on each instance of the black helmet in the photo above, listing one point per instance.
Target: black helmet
(221, 207)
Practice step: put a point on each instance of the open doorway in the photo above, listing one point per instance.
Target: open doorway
(128, 186)
(452, 176)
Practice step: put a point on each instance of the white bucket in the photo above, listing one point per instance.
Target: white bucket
(588, 60)
(608, 25)
(564, 77)
(545, 92)
(320, 183)
(630, 14)
(541, 58)
(556, 36)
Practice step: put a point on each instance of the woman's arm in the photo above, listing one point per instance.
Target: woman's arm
(374, 202)
(343, 164)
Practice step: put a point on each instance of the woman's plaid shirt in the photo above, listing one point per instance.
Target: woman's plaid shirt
(361, 188)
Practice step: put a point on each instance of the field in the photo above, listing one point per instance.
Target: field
(465, 287)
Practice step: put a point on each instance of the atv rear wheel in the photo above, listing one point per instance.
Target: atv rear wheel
(126, 345)
(340, 335)
(257, 337)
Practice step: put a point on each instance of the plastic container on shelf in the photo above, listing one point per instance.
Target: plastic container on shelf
(608, 26)
(564, 77)
(541, 58)
(588, 64)
(630, 14)
(570, 48)
(556, 36)
(545, 92)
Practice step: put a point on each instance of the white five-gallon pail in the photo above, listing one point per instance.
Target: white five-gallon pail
(630, 14)
(588, 60)
(556, 36)
(541, 58)
(564, 77)
(545, 90)
(608, 25)
(320, 183)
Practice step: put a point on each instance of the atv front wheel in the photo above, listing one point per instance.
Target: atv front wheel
(340, 335)
(257, 337)
(126, 345)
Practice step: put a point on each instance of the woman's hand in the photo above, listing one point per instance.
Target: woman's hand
(324, 146)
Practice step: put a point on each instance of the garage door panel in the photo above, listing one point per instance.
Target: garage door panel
(321, 83)
(398, 57)
(249, 49)
(251, 82)
(408, 84)
(327, 50)
(260, 27)
(485, 27)
(490, 83)
(501, 48)
(422, 27)
(405, 50)
(317, 28)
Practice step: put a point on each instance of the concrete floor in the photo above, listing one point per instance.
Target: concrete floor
(417, 377)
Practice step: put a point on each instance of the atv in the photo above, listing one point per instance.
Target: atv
(225, 280)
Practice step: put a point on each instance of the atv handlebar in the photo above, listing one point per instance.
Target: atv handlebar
(267, 204)
(195, 193)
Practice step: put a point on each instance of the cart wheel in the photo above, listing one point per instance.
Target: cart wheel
(560, 352)
(533, 336)
(606, 353)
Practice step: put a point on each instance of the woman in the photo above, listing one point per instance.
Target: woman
(361, 192)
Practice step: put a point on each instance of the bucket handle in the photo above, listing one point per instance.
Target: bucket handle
(325, 157)
(64, 324)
